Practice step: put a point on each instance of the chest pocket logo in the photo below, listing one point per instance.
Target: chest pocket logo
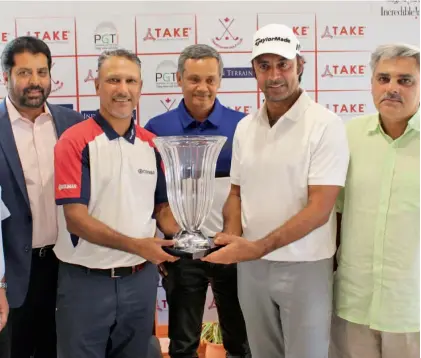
(146, 171)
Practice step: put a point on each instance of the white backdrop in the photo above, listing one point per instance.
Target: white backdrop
(336, 37)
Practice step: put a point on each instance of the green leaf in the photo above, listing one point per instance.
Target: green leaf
(211, 332)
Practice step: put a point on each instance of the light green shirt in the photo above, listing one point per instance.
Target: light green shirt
(378, 279)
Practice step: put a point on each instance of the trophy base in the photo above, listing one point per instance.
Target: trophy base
(191, 245)
(189, 255)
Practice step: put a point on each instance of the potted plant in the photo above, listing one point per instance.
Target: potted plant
(212, 337)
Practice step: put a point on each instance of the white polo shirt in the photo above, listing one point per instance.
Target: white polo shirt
(275, 165)
(118, 178)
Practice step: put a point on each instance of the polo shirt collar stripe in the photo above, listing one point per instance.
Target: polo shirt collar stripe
(111, 134)
(214, 117)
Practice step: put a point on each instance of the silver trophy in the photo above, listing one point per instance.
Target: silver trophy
(190, 163)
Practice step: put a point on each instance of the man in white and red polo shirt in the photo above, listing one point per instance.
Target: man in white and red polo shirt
(111, 188)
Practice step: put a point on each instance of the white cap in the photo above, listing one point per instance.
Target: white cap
(275, 39)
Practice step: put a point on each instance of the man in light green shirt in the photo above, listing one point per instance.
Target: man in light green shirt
(377, 284)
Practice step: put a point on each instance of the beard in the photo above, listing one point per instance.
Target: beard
(278, 98)
(29, 101)
(275, 97)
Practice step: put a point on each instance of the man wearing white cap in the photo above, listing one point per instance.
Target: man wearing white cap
(289, 163)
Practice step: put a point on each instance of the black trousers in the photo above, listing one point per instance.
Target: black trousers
(31, 329)
(186, 285)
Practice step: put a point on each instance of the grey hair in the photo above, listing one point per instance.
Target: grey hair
(197, 52)
(119, 53)
(390, 51)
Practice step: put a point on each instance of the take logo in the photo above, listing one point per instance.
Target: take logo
(335, 31)
(167, 33)
(301, 31)
(90, 76)
(161, 305)
(5, 37)
(344, 70)
(244, 109)
(343, 109)
(52, 36)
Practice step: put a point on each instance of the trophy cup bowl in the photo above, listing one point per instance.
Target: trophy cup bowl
(190, 163)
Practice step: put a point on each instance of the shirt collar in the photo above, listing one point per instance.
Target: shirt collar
(295, 112)
(214, 118)
(14, 114)
(111, 134)
(413, 123)
(373, 125)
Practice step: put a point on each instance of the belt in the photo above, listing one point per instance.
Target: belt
(116, 272)
(42, 251)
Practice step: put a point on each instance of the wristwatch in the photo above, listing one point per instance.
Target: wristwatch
(3, 285)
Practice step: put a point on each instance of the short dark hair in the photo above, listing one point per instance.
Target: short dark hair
(303, 61)
(197, 52)
(119, 53)
(23, 44)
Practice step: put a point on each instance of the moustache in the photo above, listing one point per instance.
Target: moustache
(121, 98)
(391, 96)
(33, 88)
(274, 83)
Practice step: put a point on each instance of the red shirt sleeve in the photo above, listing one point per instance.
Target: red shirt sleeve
(72, 171)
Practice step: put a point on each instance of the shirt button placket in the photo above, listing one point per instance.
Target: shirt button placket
(385, 187)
